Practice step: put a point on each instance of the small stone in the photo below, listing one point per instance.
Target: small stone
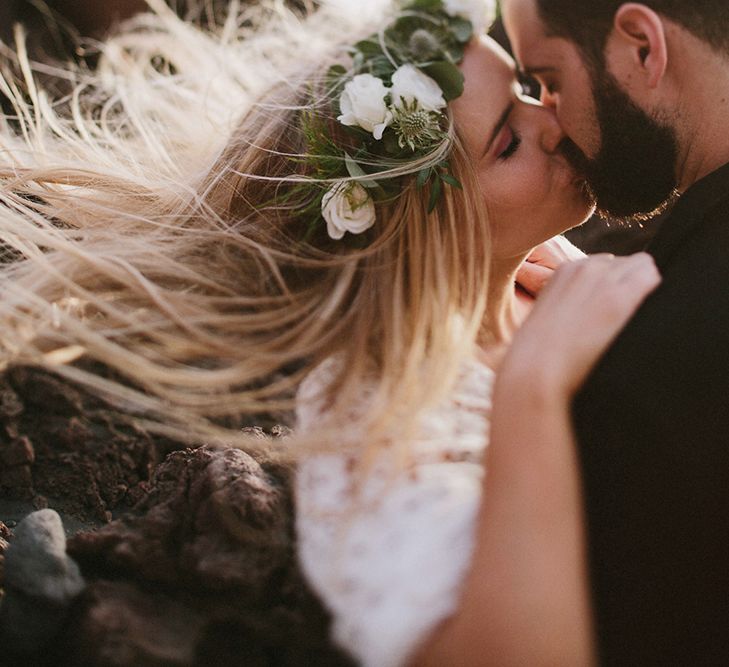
(18, 452)
(37, 563)
(41, 581)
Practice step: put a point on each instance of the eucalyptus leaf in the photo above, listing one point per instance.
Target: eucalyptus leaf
(448, 77)
(369, 48)
(452, 181)
(435, 191)
(358, 61)
(456, 52)
(422, 179)
(462, 29)
(355, 171)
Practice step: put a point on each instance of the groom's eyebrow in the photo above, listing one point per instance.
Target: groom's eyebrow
(499, 126)
(533, 71)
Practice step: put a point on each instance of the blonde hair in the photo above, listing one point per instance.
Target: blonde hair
(153, 250)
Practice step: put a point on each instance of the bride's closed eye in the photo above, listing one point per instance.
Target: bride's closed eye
(512, 146)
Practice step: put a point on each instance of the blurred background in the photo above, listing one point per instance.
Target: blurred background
(55, 26)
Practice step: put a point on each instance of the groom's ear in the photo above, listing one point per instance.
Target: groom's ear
(638, 43)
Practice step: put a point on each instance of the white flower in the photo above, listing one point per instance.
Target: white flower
(347, 207)
(363, 104)
(409, 85)
(481, 13)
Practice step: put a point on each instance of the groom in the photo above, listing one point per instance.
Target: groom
(642, 92)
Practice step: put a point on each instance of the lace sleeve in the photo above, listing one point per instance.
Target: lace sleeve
(389, 562)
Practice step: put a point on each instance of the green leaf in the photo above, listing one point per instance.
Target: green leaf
(423, 176)
(452, 181)
(389, 142)
(312, 228)
(435, 191)
(462, 29)
(382, 68)
(448, 77)
(369, 48)
(355, 171)
(358, 61)
(335, 78)
(336, 72)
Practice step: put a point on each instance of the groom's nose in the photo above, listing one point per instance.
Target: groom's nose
(551, 131)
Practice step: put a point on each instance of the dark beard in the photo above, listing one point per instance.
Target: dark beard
(633, 175)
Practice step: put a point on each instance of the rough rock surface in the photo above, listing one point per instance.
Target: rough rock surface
(200, 569)
(202, 572)
(58, 441)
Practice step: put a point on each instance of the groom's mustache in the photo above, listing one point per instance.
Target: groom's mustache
(575, 156)
(580, 163)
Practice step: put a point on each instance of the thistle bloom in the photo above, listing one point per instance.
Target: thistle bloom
(347, 207)
(410, 85)
(363, 104)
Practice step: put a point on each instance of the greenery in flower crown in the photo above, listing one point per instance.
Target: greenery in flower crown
(418, 53)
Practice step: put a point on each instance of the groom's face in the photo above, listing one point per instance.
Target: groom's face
(627, 156)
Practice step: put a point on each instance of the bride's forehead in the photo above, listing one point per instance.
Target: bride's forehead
(487, 64)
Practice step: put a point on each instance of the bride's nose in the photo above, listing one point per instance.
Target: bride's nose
(551, 133)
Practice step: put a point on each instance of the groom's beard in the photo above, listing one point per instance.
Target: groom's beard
(633, 174)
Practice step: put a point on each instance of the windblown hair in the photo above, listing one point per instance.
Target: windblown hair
(153, 247)
(588, 23)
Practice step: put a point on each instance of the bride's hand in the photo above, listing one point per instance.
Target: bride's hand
(576, 317)
(539, 268)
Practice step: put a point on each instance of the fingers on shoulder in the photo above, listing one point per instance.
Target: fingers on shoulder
(587, 269)
(628, 282)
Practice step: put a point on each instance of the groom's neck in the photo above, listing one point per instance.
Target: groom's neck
(703, 116)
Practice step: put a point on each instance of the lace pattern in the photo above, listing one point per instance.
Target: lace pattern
(388, 558)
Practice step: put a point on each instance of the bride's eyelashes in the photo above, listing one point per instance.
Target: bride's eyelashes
(512, 147)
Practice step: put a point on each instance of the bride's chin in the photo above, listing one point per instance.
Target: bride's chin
(585, 201)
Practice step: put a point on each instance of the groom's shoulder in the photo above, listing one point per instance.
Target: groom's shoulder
(678, 341)
(652, 424)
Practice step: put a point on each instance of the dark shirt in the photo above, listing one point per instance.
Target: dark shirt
(652, 424)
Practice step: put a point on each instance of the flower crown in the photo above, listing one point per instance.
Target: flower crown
(392, 104)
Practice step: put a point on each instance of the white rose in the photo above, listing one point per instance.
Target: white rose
(409, 83)
(363, 104)
(347, 207)
(481, 13)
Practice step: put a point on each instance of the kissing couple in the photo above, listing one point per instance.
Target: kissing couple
(634, 98)
(507, 453)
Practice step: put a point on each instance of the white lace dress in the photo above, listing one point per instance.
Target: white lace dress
(389, 563)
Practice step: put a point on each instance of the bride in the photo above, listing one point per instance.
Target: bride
(348, 251)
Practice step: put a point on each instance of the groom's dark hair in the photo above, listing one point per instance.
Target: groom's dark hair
(588, 23)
